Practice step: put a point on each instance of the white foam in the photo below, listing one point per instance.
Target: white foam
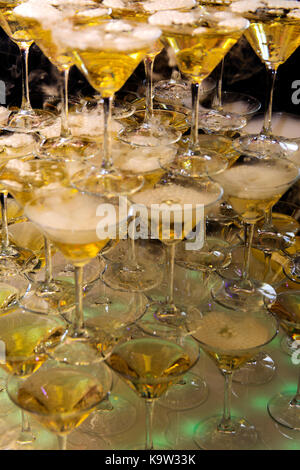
(159, 5)
(172, 17)
(222, 332)
(16, 140)
(142, 160)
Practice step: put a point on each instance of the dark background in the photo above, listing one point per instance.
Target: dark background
(243, 72)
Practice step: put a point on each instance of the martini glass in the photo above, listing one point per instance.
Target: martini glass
(41, 22)
(138, 271)
(200, 39)
(274, 35)
(60, 396)
(175, 207)
(26, 117)
(77, 225)
(15, 146)
(151, 364)
(284, 407)
(252, 186)
(25, 336)
(230, 338)
(107, 55)
(25, 180)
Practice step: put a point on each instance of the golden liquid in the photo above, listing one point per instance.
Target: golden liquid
(24, 335)
(252, 210)
(60, 399)
(149, 366)
(287, 309)
(108, 70)
(39, 174)
(11, 25)
(273, 40)
(44, 40)
(80, 252)
(198, 55)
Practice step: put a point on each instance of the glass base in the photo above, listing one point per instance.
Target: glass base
(164, 128)
(212, 256)
(236, 294)
(120, 418)
(270, 240)
(292, 270)
(259, 371)
(69, 148)
(79, 440)
(37, 439)
(132, 277)
(16, 260)
(12, 290)
(195, 163)
(107, 310)
(49, 299)
(243, 436)
(191, 392)
(280, 408)
(221, 121)
(30, 120)
(260, 144)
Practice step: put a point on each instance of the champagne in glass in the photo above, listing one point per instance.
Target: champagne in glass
(107, 55)
(230, 338)
(200, 40)
(60, 396)
(25, 117)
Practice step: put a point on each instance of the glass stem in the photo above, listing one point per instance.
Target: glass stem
(4, 226)
(267, 125)
(107, 158)
(148, 64)
(195, 113)
(65, 130)
(249, 232)
(25, 422)
(132, 251)
(218, 99)
(296, 400)
(149, 405)
(171, 265)
(226, 423)
(268, 219)
(25, 105)
(78, 318)
(48, 261)
(62, 441)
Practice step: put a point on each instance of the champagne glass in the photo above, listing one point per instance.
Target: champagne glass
(26, 117)
(76, 224)
(252, 185)
(107, 55)
(274, 35)
(138, 271)
(25, 180)
(15, 146)
(174, 207)
(151, 364)
(25, 335)
(60, 396)
(284, 407)
(189, 34)
(39, 22)
(230, 338)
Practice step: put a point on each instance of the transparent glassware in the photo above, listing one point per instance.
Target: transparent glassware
(107, 82)
(251, 201)
(24, 181)
(274, 23)
(185, 44)
(25, 118)
(90, 384)
(284, 408)
(152, 382)
(227, 339)
(25, 336)
(51, 213)
(185, 201)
